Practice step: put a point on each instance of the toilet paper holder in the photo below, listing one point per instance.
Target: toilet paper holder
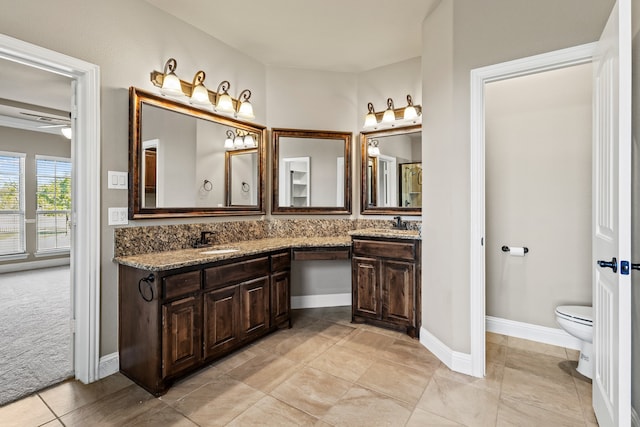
(507, 249)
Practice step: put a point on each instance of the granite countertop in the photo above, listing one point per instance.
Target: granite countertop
(159, 261)
(387, 232)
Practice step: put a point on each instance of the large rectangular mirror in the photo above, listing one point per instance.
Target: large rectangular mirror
(392, 171)
(180, 163)
(311, 171)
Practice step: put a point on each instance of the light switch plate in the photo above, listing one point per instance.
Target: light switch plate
(117, 180)
(118, 216)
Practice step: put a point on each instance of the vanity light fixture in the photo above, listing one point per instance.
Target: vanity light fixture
(239, 139)
(373, 150)
(224, 103)
(245, 110)
(170, 82)
(391, 117)
(199, 93)
(238, 142)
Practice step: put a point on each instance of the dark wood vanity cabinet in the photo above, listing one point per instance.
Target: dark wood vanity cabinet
(386, 283)
(172, 322)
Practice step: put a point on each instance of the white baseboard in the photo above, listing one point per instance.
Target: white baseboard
(635, 419)
(543, 334)
(109, 365)
(32, 265)
(315, 301)
(455, 360)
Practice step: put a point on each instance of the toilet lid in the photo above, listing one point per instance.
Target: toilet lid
(580, 313)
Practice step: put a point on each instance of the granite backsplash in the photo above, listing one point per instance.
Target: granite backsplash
(160, 238)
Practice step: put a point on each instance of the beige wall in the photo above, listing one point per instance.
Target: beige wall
(538, 193)
(458, 37)
(33, 143)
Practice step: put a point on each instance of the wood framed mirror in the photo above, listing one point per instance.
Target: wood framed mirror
(311, 171)
(391, 174)
(179, 166)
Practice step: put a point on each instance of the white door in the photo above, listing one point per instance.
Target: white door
(612, 220)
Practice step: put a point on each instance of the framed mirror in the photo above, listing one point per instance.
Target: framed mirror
(311, 172)
(392, 171)
(183, 161)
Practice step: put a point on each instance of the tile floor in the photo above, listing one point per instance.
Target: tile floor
(327, 372)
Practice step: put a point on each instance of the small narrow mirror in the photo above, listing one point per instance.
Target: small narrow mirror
(311, 171)
(392, 171)
(241, 176)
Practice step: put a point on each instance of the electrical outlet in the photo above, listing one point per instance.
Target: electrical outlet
(117, 180)
(118, 216)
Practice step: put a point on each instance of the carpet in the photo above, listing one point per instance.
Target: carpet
(35, 336)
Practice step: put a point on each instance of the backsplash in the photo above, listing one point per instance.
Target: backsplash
(160, 238)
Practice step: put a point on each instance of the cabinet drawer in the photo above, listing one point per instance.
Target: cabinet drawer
(181, 284)
(321, 254)
(281, 261)
(236, 272)
(395, 250)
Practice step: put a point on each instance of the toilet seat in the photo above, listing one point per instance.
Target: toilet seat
(576, 313)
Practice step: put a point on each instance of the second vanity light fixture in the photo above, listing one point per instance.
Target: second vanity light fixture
(392, 116)
(199, 95)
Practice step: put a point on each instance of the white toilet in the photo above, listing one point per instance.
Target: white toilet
(577, 320)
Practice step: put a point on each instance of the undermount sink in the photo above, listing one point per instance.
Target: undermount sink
(219, 251)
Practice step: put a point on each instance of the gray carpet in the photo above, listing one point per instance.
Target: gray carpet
(35, 338)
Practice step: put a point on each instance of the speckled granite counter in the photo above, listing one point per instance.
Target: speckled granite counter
(387, 232)
(159, 261)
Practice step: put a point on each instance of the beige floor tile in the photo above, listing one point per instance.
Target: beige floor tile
(54, 423)
(366, 408)
(572, 354)
(411, 354)
(161, 416)
(542, 392)
(218, 402)
(312, 391)
(234, 360)
(342, 363)
(189, 384)
(491, 382)
(497, 338)
(30, 411)
(330, 330)
(69, 395)
(303, 348)
(460, 402)
(398, 381)
(585, 394)
(537, 347)
(421, 418)
(548, 366)
(366, 342)
(495, 353)
(116, 409)
(511, 413)
(270, 411)
(264, 372)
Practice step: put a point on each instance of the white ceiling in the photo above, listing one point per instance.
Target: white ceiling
(333, 35)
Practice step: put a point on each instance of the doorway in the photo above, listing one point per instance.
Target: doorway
(479, 78)
(85, 212)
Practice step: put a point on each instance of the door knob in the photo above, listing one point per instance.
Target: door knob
(613, 264)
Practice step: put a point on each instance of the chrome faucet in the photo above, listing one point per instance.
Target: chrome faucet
(399, 224)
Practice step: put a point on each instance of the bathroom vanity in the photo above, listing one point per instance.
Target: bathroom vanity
(386, 280)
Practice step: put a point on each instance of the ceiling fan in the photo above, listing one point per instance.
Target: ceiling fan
(52, 122)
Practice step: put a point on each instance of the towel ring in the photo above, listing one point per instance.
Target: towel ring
(245, 187)
(207, 185)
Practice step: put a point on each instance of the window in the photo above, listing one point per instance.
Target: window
(53, 203)
(12, 240)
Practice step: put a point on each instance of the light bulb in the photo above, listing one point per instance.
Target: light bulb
(246, 110)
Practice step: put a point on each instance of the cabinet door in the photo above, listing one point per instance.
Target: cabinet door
(366, 287)
(221, 313)
(254, 306)
(397, 292)
(182, 335)
(280, 297)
